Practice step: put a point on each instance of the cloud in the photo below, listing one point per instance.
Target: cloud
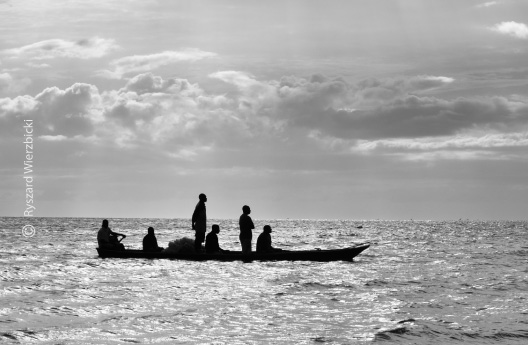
(148, 83)
(415, 117)
(468, 141)
(20, 105)
(341, 109)
(37, 65)
(476, 146)
(10, 85)
(237, 78)
(53, 137)
(487, 4)
(429, 82)
(179, 118)
(73, 111)
(374, 92)
(147, 63)
(90, 48)
(514, 29)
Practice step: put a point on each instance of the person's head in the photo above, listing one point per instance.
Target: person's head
(246, 209)
(216, 228)
(151, 230)
(105, 223)
(202, 197)
(267, 229)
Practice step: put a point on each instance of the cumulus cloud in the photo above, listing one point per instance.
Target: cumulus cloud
(69, 112)
(370, 108)
(181, 118)
(146, 63)
(90, 48)
(149, 83)
(18, 106)
(514, 29)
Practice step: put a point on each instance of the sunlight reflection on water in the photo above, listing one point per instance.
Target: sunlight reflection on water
(423, 282)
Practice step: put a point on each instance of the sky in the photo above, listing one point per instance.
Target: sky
(356, 109)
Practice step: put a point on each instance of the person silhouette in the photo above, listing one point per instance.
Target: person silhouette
(246, 225)
(150, 243)
(199, 222)
(264, 241)
(211, 240)
(107, 239)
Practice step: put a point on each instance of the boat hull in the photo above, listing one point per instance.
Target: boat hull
(345, 254)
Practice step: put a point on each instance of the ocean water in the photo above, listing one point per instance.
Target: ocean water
(420, 282)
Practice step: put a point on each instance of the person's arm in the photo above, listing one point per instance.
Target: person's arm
(195, 216)
(193, 219)
(118, 234)
(269, 248)
(218, 249)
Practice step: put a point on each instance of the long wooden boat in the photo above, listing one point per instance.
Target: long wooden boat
(345, 254)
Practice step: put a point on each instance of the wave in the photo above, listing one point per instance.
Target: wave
(442, 332)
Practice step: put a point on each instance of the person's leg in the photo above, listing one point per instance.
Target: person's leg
(246, 245)
(198, 240)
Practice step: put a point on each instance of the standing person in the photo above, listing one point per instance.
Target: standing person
(199, 222)
(246, 225)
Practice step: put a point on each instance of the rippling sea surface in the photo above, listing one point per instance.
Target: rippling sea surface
(420, 282)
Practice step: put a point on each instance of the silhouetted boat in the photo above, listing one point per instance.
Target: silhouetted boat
(345, 254)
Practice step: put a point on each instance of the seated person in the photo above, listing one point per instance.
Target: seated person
(107, 239)
(264, 241)
(211, 241)
(150, 243)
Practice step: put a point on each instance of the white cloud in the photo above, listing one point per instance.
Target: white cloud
(514, 29)
(147, 63)
(94, 47)
(467, 141)
(53, 137)
(435, 81)
(178, 117)
(237, 78)
(10, 107)
(73, 111)
(487, 4)
(489, 146)
(37, 65)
